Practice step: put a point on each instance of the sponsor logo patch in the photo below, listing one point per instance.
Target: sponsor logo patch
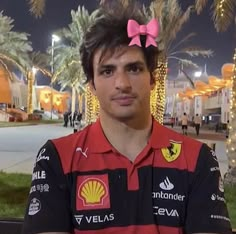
(216, 197)
(165, 212)
(221, 184)
(92, 192)
(84, 153)
(220, 217)
(38, 175)
(40, 188)
(214, 155)
(214, 169)
(166, 184)
(172, 152)
(94, 218)
(34, 207)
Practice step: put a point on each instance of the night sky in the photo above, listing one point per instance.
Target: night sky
(57, 15)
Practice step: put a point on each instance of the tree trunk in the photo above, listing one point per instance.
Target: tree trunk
(157, 101)
(230, 177)
(89, 106)
(30, 79)
(73, 97)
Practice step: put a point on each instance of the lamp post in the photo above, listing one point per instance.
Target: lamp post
(31, 78)
(197, 74)
(55, 38)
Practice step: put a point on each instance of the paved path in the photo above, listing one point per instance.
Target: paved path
(213, 139)
(19, 145)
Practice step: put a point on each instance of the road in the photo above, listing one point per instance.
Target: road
(19, 145)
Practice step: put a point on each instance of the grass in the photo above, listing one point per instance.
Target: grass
(28, 123)
(14, 189)
(230, 195)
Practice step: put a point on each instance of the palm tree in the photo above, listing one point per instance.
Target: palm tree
(37, 61)
(14, 46)
(224, 14)
(37, 7)
(171, 19)
(69, 72)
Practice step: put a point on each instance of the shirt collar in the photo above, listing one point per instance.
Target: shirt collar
(99, 143)
(97, 139)
(159, 137)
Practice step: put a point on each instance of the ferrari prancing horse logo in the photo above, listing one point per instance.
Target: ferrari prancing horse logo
(172, 152)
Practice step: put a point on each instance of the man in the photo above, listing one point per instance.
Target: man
(125, 173)
(197, 123)
(184, 123)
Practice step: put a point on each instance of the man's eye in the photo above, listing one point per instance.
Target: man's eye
(135, 69)
(107, 72)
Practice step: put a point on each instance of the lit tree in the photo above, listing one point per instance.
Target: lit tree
(14, 46)
(37, 61)
(37, 7)
(224, 14)
(171, 19)
(69, 72)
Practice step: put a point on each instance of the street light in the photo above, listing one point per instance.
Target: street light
(34, 70)
(197, 74)
(55, 38)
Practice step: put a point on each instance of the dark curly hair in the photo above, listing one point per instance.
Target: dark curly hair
(109, 33)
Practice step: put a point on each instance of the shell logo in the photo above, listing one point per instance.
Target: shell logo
(92, 192)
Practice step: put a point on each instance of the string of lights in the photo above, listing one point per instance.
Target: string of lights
(231, 143)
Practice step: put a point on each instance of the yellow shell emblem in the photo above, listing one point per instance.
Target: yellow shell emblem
(92, 192)
(172, 152)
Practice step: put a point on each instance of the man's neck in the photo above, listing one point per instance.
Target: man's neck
(129, 137)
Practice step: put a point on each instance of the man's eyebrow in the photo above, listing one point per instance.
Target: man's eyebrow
(106, 66)
(130, 64)
(136, 63)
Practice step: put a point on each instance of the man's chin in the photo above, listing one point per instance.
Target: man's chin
(125, 117)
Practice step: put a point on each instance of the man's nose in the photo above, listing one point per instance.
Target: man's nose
(122, 81)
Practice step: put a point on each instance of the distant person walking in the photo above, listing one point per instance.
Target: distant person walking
(197, 123)
(184, 123)
(227, 130)
(77, 122)
(66, 118)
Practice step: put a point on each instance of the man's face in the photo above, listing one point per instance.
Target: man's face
(122, 83)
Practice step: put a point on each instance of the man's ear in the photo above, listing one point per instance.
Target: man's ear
(152, 82)
(92, 87)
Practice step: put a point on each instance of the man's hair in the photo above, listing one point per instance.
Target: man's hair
(109, 33)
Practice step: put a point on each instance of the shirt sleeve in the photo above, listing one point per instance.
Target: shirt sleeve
(48, 207)
(206, 209)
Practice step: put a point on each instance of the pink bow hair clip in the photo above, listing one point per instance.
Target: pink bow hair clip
(151, 30)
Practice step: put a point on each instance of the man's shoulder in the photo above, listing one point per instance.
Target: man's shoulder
(73, 137)
(189, 148)
(66, 146)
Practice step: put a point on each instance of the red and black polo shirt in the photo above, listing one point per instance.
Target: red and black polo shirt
(82, 185)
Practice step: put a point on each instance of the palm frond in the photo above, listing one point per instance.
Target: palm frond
(182, 41)
(199, 5)
(188, 78)
(223, 14)
(6, 68)
(195, 51)
(185, 62)
(13, 61)
(37, 7)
